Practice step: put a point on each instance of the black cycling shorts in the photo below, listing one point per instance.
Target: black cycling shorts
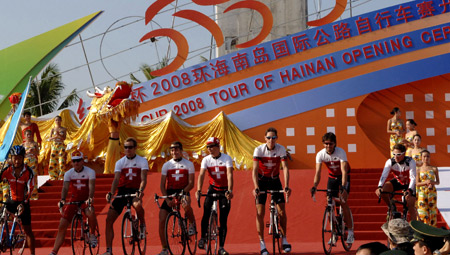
(398, 186)
(25, 217)
(267, 183)
(119, 203)
(335, 183)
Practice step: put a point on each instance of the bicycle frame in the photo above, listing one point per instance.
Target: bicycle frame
(10, 239)
(335, 219)
(392, 212)
(213, 215)
(274, 220)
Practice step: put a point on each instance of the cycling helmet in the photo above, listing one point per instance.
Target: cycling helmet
(17, 150)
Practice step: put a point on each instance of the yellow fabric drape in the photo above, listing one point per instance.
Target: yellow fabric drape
(154, 137)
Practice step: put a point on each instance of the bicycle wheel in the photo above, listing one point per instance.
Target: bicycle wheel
(344, 231)
(191, 240)
(276, 234)
(213, 235)
(94, 250)
(175, 234)
(19, 240)
(327, 231)
(141, 242)
(128, 239)
(77, 235)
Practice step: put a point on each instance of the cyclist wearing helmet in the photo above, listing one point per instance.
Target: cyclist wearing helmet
(220, 168)
(21, 180)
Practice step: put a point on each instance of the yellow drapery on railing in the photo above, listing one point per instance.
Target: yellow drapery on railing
(154, 138)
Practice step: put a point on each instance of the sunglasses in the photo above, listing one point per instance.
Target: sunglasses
(398, 154)
(210, 146)
(76, 160)
(271, 137)
(128, 147)
(328, 143)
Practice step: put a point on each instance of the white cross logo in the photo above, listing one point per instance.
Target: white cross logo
(130, 174)
(217, 172)
(79, 185)
(177, 175)
(269, 164)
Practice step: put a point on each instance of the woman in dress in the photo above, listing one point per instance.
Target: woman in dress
(426, 180)
(396, 128)
(415, 151)
(57, 166)
(31, 159)
(411, 128)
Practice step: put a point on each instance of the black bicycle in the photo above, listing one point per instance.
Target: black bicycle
(393, 212)
(274, 222)
(176, 228)
(213, 227)
(130, 230)
(12, 237)
(333, 225)
(80, 232)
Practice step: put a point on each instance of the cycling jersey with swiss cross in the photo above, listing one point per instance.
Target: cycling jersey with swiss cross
(269, 160)
(217, 169)
(130, 171)
(79, 183)
(177, 173)
(22, 186)
(332, 161)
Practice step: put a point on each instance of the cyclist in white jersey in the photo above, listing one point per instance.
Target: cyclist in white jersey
(220, 169)
(130, 177)
(177, 175)
(267, 160)
(335, 159)
(80, 180)
(404, 170)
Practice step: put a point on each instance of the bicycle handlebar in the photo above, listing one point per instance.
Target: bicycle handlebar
(125, 196)
(215, 195)
(271, 192)
(393, 193)
(175, 195)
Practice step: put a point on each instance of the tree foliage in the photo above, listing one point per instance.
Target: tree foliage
(45, 93)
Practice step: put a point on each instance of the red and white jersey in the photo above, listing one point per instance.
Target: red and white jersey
(332, 161)
(130, 171)
(269, 160)
(79, 183)
(404, 172)
(177, 173)
(217, 169)
(21, 187)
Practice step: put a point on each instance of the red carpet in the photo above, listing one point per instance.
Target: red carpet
(304, 215)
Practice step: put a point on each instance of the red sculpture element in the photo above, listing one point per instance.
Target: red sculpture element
(204, 21)
(154, 8)
(122, 91)
(332, 16)
(267, 20)
(209, 2)
(182, 45)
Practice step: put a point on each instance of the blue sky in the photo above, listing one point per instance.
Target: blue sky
(24, 19)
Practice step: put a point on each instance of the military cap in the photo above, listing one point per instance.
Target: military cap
(423, 231)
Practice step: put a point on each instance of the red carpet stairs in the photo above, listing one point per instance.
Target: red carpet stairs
(46, 216)
(368, 214)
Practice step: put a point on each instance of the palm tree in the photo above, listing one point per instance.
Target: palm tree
(45, 93)
(146, 70)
